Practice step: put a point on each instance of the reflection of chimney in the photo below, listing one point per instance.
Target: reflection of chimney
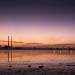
(11, 48)
(8, 48)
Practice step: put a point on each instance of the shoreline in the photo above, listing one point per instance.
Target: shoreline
(38, 71)
(37, 48)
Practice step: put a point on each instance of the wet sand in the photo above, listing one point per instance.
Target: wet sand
(29, 62)
(66, 70)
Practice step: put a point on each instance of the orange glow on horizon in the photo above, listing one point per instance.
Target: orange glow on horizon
(38, 42)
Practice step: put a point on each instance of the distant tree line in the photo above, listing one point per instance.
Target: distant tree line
(34, 48)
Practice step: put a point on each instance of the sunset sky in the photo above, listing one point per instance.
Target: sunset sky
(38, 21)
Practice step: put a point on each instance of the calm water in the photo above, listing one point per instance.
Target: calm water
(38, 56)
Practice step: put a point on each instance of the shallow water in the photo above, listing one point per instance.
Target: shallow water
(38, 57)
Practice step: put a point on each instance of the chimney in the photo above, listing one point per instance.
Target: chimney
(11, 42)
(8, 41)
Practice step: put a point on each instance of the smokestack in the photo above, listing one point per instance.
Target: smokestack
(11, 41)
(8, 41)
(8, 48)
(11, 48)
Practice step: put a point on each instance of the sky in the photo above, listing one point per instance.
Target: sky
(38, 21)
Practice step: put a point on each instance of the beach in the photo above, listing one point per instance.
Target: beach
(37, 62)
(64, 69)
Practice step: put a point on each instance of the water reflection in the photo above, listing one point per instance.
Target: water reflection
(39, 56)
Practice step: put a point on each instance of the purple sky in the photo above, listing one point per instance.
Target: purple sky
(39, 22)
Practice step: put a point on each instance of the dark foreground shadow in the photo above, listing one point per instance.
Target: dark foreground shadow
(37, 71)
